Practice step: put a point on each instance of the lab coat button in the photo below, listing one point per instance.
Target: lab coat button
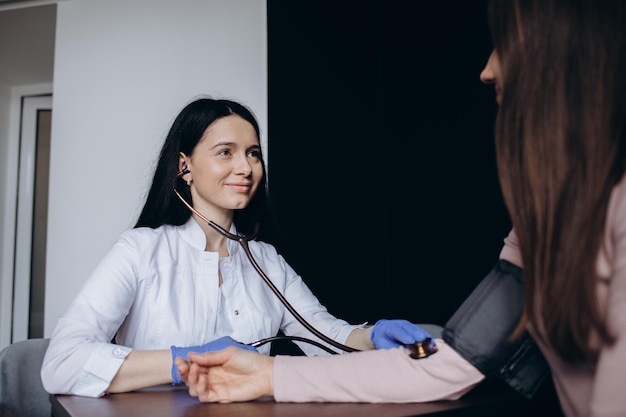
(236, 312)
(118, 352)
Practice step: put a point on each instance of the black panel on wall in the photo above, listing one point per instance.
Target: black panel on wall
(381, 161)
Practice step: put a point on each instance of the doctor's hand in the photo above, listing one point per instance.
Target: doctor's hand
(228, 375)
(217, 344)
(389, 334)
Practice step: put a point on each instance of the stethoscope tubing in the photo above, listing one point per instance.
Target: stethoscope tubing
(243, 242)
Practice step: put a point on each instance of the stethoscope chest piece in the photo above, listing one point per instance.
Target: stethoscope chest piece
(422, 349)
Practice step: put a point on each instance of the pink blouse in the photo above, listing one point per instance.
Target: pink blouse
(597, 388)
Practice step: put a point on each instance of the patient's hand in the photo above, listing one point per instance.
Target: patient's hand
(227, 375)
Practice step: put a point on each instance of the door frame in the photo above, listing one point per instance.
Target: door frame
(15, 298)
(22, 270)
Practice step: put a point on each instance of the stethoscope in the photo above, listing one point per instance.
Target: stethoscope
(418, 350)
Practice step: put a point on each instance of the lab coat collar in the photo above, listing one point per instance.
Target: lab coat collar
(194, 235)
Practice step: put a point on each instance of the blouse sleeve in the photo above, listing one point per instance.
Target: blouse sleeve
(510, 251)
(374, 376)
(608, 397)
(81, 359)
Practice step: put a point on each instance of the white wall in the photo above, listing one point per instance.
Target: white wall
(123, 70)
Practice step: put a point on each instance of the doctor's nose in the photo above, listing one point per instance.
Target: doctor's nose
(242, 165)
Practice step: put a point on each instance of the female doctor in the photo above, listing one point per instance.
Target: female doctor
(174, 285)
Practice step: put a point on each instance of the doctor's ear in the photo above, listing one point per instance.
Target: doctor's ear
(182, 165)
(183, 168)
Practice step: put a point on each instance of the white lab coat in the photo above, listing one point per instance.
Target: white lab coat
(158, 287)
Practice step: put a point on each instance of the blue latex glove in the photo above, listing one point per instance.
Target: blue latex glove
(389, 334)
(217, 344)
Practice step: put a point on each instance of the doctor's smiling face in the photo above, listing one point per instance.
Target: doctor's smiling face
(492, 74)
(225, 166)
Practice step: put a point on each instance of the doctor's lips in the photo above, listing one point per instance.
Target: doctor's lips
(243, 187)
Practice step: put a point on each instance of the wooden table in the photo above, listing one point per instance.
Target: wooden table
(168, 401)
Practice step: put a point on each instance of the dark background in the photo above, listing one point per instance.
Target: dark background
(382, 169)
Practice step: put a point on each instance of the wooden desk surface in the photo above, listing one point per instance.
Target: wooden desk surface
(168, 401)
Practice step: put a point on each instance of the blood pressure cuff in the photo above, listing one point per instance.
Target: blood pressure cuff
(480, 331)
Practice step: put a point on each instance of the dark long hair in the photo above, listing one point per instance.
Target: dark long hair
(561, 147)
(162, 206)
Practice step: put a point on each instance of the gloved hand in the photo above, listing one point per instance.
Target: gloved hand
(389, 334)
(217, 344)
